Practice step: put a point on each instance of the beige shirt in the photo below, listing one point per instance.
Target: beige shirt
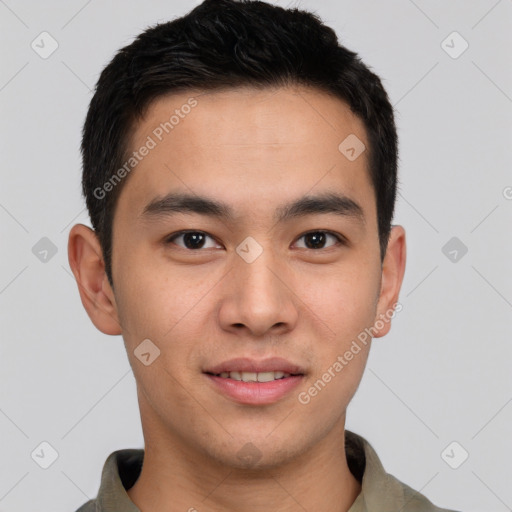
(380, 491)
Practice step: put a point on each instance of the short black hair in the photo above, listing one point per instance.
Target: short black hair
(224, 44)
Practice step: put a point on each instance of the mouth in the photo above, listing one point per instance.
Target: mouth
(250, 382)
(251, 370)
(255, 376)
(254, 392)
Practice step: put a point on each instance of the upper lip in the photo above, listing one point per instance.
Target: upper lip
(244, 364)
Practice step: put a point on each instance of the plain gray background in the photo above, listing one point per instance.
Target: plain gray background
(441, 376)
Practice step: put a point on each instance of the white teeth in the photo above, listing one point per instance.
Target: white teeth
(253, 376)
(249, 376)
(266, 376)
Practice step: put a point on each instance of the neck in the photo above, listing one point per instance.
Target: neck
(179, 477)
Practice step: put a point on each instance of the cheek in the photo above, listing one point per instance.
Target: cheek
(345, 300)
(152, 300)
(153, 309)
(171, 311)
(142, 306)
(343, 308)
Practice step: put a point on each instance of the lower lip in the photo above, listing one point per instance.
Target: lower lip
(255, 393)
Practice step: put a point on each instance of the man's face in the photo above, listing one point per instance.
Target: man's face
(250, 286)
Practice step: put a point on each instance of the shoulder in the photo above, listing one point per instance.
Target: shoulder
(380, 489)
(120, 471)
(413, 501)
(90, 506)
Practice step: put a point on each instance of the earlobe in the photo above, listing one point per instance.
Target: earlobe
(86, 262)
(393, 269)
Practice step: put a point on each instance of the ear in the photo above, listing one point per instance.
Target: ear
(393, 268)
(86, 261)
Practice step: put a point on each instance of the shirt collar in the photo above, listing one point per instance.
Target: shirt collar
(379, 490)
(121, 470)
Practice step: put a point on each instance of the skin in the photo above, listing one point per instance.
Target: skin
(254, 150)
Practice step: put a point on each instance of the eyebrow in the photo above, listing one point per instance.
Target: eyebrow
(330, 202)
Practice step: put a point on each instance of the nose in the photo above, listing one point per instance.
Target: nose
(258, 297)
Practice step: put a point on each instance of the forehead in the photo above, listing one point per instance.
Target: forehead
(249, 116)
(240, 144)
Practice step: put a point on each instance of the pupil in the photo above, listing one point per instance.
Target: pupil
(318, 237)
(197, 240)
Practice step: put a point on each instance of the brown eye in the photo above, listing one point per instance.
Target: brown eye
(317, 239)
(190, 239)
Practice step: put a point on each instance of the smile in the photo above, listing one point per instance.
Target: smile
(254, 388)
(254, 376)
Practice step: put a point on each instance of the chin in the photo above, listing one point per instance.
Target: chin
(259, 456)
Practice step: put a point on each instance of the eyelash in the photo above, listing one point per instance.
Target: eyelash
(341, 240)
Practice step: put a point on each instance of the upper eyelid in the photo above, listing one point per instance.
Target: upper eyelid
(341, 239)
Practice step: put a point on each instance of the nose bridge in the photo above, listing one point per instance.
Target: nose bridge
(258, 297)
(260, 275)
(255, 275)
